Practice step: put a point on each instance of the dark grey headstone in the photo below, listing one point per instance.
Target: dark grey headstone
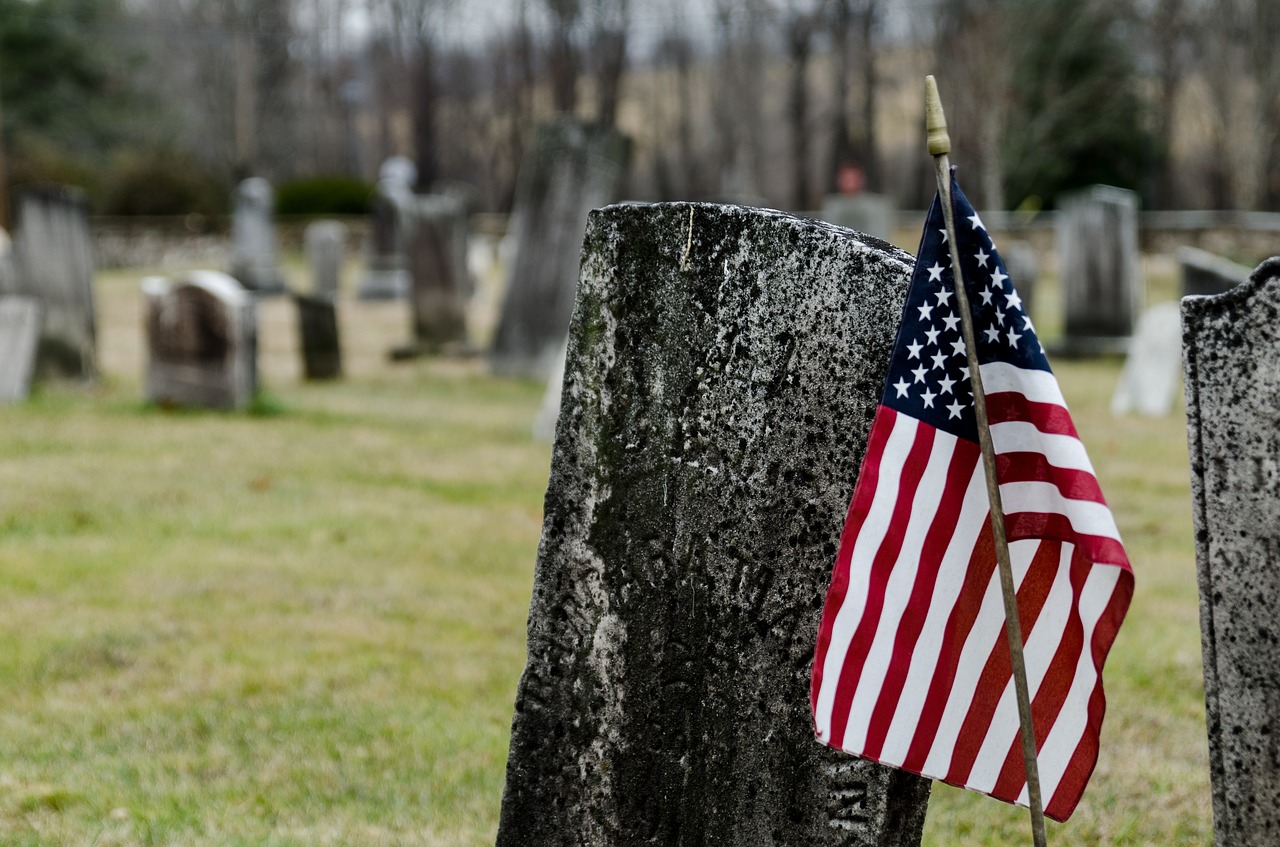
(326, 245)
(386, 274)
(1208, 273)
(1097, 243)
(318, 337)
(53, 259)
(572, 169)
(1232, 344)
(19, 336)
(201, 341)
(873, 214)
(723, 369)
(254, 254)
(436, 244)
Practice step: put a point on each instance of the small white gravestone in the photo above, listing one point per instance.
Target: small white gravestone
(202, 341)
(544, 425)
(254, 260)
(19, 335)
(326, 246)
(1149, 382)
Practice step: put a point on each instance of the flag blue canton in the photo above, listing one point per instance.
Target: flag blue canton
(929, 372)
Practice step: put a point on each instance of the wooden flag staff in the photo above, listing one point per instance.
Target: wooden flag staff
(939, 146)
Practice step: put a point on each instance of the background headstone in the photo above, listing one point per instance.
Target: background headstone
(873, 214)
(386, 274)
(544, 423)
(1097, 243)
(1207, 273)
(254, 254)
(1023, 265)
(19, 336)
(398, 170)
(201, 333)
(1149, 381)
(8, 274)
(318, 337)
(1232, 344)
(325, 243)
(53, 262)
(723, 368)
(571, 169)
(436, 246)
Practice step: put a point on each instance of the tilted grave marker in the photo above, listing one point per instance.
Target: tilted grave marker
(1231, 344)
(1207, 273)
(723, 368)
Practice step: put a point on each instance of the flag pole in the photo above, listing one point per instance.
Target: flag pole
(939, 147)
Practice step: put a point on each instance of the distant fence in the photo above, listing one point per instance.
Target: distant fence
(178, 241)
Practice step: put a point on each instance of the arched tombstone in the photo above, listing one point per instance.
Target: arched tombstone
(723, 368)
(201, 336)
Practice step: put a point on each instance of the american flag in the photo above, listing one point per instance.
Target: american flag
(912, 667)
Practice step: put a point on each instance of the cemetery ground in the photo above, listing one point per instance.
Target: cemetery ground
(304, 624)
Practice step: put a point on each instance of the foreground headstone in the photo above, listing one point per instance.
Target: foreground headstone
(723, 368)
(873, 214)
(318, 337)
(325, 243)
(19, 335)
(572, 169)
(1149, 382)
(1097, 242)
(1208, 273)
(201, 341)
(436, 244)
(254, 254)
(1232, 342)
(53, 262)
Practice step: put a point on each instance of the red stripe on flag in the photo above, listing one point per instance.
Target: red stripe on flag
(1096, 548)
(1034, 467)
(863, 493)
(998, 670)
(964, 459)
(977, 575)
(1048, 417)
(881, 568)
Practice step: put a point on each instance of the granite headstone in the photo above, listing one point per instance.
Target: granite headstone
(723, 369)
(53, 262)
(318, 336)
(1231, 344)
(1097, 243)
(254, 254)
(572, 169)
(1149, 381)
(19, 336)
(201, 331)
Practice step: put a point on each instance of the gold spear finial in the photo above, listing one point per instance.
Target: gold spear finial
(935, 122)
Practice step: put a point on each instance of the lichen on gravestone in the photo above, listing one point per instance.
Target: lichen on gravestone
(723, 368)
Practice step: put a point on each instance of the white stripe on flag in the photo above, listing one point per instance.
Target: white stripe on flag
(1040, 645)
(1073, 719)
(1087, 516)
(988, 627)
(870, 537)
(974, 513)
(898, 589)
(1061, 451)
(1036, 385)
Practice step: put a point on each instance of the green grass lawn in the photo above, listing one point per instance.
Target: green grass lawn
(305, 626)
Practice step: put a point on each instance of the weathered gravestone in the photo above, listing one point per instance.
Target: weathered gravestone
(325, 243)
(254, 255)
(19, 335)
(1207, 273)
(572, 169)
(1149, 381)
(436, 245)
(1232, 343)
(386, 274)
(1097, 243)
(318, 337)
(723, 368)
(873, 214)
(53, 262)
(201, 341)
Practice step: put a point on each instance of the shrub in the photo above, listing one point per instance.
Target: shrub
(324, 195)
(159, 184)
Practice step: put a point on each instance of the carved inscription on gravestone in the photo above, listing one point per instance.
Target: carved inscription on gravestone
(1231, 344)
(723, 368)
